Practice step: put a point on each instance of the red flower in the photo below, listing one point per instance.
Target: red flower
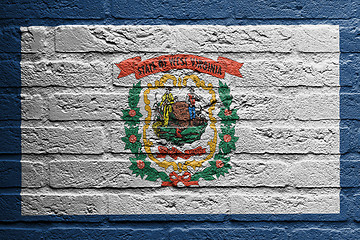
(140, 164)
(219, 164)
(227, 112)
(132, 138)
(227, 138)
(132, 113)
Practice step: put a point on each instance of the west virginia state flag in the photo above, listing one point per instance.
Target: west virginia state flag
(180, 120)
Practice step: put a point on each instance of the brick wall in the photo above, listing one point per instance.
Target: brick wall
(65, 169)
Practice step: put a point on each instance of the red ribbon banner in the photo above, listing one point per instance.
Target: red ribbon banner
(175, 153)
(179, 61)
(175, 179)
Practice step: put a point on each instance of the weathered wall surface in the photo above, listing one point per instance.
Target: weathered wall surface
(65, 160)
(285, 158)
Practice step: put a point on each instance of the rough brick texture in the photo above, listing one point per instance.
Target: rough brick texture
(74, 105)
(60, 140)
(65, 169)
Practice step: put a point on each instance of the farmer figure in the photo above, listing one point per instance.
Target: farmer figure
(166, 102)
(191, 98)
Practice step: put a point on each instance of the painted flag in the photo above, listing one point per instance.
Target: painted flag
(180, 120)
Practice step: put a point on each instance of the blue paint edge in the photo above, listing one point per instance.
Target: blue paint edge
(10, 122)
(12, 199)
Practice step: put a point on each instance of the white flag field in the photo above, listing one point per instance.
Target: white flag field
(202, 119)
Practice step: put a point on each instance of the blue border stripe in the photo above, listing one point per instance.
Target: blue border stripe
(10, 122)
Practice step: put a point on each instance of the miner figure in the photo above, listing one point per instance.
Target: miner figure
(167, 101)
(192, 98)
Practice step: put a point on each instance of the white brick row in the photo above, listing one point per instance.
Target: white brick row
(250, 173)
(77, 140)
(109, 106)
(197, 39)
(258, 201)
(65, 74)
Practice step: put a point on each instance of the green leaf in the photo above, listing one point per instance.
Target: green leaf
(164, 176)
(224, 93)
(226, 130)
(133, 167)
(232, 145)
(220, 156)
(137, 147)
(132, 121)
(234, 139)
(142, 174)
(196, 130)
(208, 177)
(209, 171)
(132, 131)
(125, 139)
(232, 131)
(228, 120)
(227, 149)
(227, 166)
(212, 163)
(139, 156)
(152, 177)
(168, 129)
(134, 95)
(196, 176)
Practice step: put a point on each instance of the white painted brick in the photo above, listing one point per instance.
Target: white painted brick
(195, 39)
(168, 204)
(95, 174)
(315, 107)
(80, 39)
(101, 174)
(257, 38)
(32, 107)
(255, 201)
(116, 144)
(261, 106)
(98, 106)
(65, 74)
(33, 174)
(88, 106)
(68, 204)
(233, 39)
(37, 39)
(293, 58)
(272, 139)
(312, 38)
(315, 174)
(114, 38)
(274, 106)
(62, 140)
(285, 203)
(287, 73)
(250, 173)
(287, 140)
(257, 173)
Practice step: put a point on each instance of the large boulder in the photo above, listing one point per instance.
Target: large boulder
(181, 111)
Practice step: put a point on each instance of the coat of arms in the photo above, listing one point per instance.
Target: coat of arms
(174, 134)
